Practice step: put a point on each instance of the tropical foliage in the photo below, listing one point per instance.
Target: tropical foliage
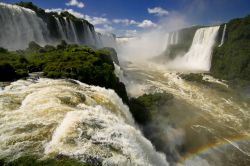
(232, 60)
(82, 63)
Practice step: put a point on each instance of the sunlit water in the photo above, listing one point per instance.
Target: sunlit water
(202, 126)
(48, 118)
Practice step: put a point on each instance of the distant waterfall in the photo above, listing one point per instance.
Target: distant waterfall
(172, 38)
(90, 36)
(68, 31)
(20, 26)
(199, 55)
(108, 40)
(62, 33)
(72, 26)
(223, 35)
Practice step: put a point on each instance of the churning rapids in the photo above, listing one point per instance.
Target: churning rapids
(50, 117)
(203, 125)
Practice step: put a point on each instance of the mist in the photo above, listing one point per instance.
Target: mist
(153, 42)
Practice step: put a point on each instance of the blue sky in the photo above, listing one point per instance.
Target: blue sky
(132, 16)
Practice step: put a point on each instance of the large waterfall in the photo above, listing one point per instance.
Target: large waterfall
(199, 55)
(19, 26)
(65, 117)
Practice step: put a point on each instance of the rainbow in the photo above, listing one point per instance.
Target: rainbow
(229, 141)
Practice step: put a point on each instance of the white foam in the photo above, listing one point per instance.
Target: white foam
(51, 117)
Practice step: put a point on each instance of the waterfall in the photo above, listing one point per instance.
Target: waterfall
(65, 117)
(171, 38)
(198, 57)
(223, 35)
(108, 40)
(68, 30)
(74, 31)
(91, 39)
(62, 33)
(19, 26)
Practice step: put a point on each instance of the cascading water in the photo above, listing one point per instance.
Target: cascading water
(72, 26)
(203, 125)
(65, 117)
(172, 38)
(19, 26)
(223, 35)
(108, 40)
(62, 33)
(90, 36)
(198, 58)
(68, 30)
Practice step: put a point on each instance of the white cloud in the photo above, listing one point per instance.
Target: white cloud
(92, 20)
(105, 29)
(75, 3)
(76, 14)
(158, 11)
(71, 11)
(57, 10)
(147, 24)
(125, 21)
(97, 20)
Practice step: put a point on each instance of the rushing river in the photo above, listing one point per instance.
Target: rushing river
(48, 118)
(203, 125)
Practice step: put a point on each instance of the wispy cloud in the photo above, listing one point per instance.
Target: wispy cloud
(144, 24)
(104, 25)
(75, 3)
(125, 21)
(92, 20)
(158, 11)
(105, 29)
(147, 24)
(97, 20)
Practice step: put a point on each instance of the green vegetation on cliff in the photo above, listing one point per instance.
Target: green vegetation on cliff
(94, 67)
(146, 106)
(231, 61)
(12, 66)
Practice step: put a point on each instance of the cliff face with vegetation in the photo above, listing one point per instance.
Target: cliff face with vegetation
(94, 67)
(231, 61)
